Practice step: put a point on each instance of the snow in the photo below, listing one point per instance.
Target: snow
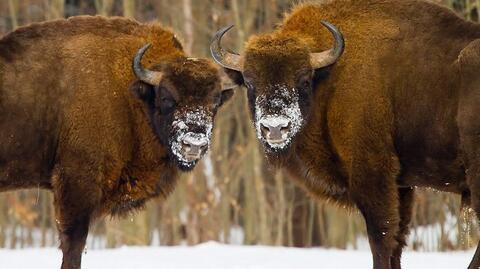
(213, 255)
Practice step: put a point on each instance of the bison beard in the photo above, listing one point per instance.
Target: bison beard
(104, 139)
(399, 109)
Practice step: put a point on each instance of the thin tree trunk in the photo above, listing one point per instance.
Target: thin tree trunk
(322, 224)
(104, 7)
(310, 222)
(44, 216)
(290, 226)
(13, 10)
(281, 208)
(188, 25)
(129, 8)
(264, 233)
(55, 9)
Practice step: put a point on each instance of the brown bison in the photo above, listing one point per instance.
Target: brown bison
(76, 119)
(399, 109)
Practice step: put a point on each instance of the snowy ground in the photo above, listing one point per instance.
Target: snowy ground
(217, 256)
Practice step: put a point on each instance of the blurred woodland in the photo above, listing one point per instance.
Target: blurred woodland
(231, 197)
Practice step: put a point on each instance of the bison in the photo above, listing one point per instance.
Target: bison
(103, 132)
(392, 105)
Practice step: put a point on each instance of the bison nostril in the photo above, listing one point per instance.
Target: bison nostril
(265, 129)
(203, 148)
(285, 129)
(186, 147)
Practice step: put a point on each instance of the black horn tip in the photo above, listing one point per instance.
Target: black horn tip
(140, 53)
(147, 46)
(339, 40)
(227, 28)
(219, 34)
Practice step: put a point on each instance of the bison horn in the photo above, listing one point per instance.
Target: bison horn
(222, 57)
(145, 75)
(329, 57)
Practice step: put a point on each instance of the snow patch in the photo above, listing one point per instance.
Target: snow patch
(213, 255)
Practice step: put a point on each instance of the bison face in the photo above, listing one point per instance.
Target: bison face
(279, 109)
(181, 97)
(280, 71)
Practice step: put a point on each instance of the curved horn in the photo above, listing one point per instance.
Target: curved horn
(329, 57)
(145, 75)
(222, 57)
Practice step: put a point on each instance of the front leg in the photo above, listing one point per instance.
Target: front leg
(374, 192)
(73, 236)
(76, 198)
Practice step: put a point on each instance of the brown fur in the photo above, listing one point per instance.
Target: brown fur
(69, 122)
(399, 109)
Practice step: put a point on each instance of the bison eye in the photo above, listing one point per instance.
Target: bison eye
(167, 105)
(304, 82)
(165, 101)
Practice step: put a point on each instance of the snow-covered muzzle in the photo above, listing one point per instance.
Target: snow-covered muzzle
(278, 117)
(192, 130)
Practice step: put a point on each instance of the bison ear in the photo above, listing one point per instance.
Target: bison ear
(142, 90)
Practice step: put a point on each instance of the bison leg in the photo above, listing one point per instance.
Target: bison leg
(382, 226)
(376, 195)
(76, 198)
(406, 196)
(469, 126)
(73, 237)
(473, 179)
(475, 263)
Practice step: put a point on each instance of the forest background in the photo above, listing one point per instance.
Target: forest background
(232, 196)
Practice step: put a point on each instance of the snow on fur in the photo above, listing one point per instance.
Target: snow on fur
(286, 106)
(182, 123)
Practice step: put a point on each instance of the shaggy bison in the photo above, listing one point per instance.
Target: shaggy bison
(76, 119)
(399, 108)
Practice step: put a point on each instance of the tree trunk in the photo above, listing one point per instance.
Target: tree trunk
(188, 26)
(13, 11)
(129, 8)
(55, 9)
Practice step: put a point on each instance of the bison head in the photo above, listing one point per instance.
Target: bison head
(181, 96)
(280, 73)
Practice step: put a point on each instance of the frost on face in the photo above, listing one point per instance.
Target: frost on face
(280, 109)
(183, 124)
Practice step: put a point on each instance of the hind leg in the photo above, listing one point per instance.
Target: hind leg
(469, 125)
(473, 179)
(406, 197)
(475, 263)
